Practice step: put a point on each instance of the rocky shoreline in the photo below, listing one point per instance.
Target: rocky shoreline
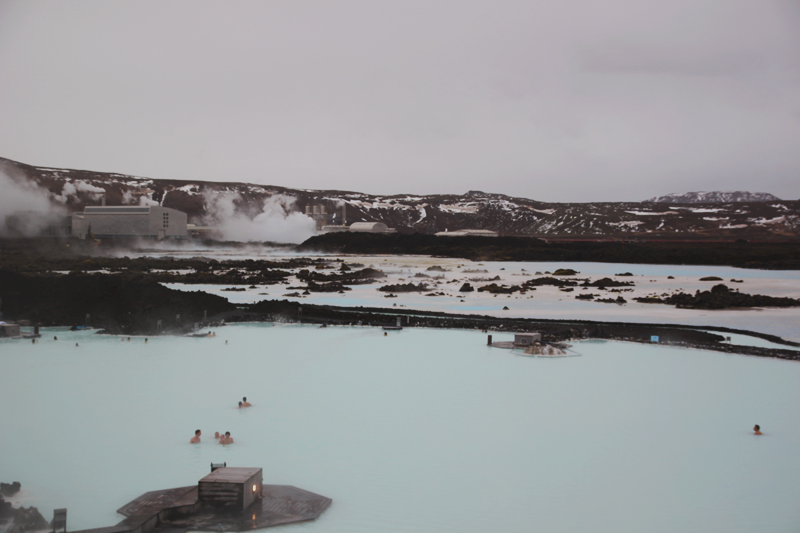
(20, 519)
(552, 330)
(136, 304)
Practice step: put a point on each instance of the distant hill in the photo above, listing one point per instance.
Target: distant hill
(715, 197)
(71, 190)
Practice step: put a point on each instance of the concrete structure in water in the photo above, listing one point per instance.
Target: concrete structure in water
(228, 499)
(9, 330)
(229, 486)
(153, 222)
(523, 340)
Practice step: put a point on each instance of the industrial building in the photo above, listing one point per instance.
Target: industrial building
(152, 222)
(370, 227)
(355, 227)
(468, 233)
(360, 227)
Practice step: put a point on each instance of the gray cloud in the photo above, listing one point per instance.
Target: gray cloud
(559, 100)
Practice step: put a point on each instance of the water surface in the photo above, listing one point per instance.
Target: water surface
(420, 430)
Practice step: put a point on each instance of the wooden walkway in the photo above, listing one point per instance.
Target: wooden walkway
(178, 510)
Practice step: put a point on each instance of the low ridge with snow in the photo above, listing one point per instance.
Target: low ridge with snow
(760, 216)
(702, 197)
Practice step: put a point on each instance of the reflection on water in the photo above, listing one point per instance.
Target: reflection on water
(423, 430)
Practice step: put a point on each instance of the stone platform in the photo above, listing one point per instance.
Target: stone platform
(178, 510)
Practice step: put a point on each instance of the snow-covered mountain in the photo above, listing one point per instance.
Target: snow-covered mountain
(702, 197)
(71, 190)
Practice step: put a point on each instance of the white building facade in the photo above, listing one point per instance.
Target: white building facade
(153, 222)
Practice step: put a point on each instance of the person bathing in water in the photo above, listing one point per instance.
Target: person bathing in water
(757, 430)
(196, 438)
(226, 439)
(245, 403)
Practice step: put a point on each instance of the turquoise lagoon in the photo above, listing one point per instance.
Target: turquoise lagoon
(421, 430)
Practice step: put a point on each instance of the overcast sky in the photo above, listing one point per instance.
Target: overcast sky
(557, 100)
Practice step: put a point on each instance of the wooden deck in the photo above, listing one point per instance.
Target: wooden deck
(151, 503)
(178, 510)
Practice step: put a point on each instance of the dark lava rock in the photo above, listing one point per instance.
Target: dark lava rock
(494, 288)
(721, 297)
(357, 277)
(649, 300)
(505, 308)
(624, 274)
(711, 278)
(466, 287)
(436, 268)
(29, 519)
(618, 300)
(607, 282)
(585, 297)
(6, 510)
(496, 278)
(538, 282)
(9, 489)
(404, 287)
(564, 272)
(121, 304)
(333, 286)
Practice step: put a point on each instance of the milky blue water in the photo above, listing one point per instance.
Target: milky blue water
(421, 430)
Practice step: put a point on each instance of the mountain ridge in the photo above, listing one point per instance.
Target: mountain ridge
(71, 190)
(701, 197)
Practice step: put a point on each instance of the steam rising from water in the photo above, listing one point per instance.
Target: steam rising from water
(277, 221)
(18, 195)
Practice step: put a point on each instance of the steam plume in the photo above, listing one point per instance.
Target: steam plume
(277, 221)
(20, 197)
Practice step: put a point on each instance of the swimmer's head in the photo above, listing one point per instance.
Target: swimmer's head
(756, 428)
(227, 433)
(244, 399)
(197, 432)
(240, 404)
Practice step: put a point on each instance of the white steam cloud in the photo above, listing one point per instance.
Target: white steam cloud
(25, 208)
(72, 189)
(277, 222)
(145, 201)
(129, 198)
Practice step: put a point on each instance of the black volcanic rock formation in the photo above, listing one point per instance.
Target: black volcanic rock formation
(120, 303)
(721, 297)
